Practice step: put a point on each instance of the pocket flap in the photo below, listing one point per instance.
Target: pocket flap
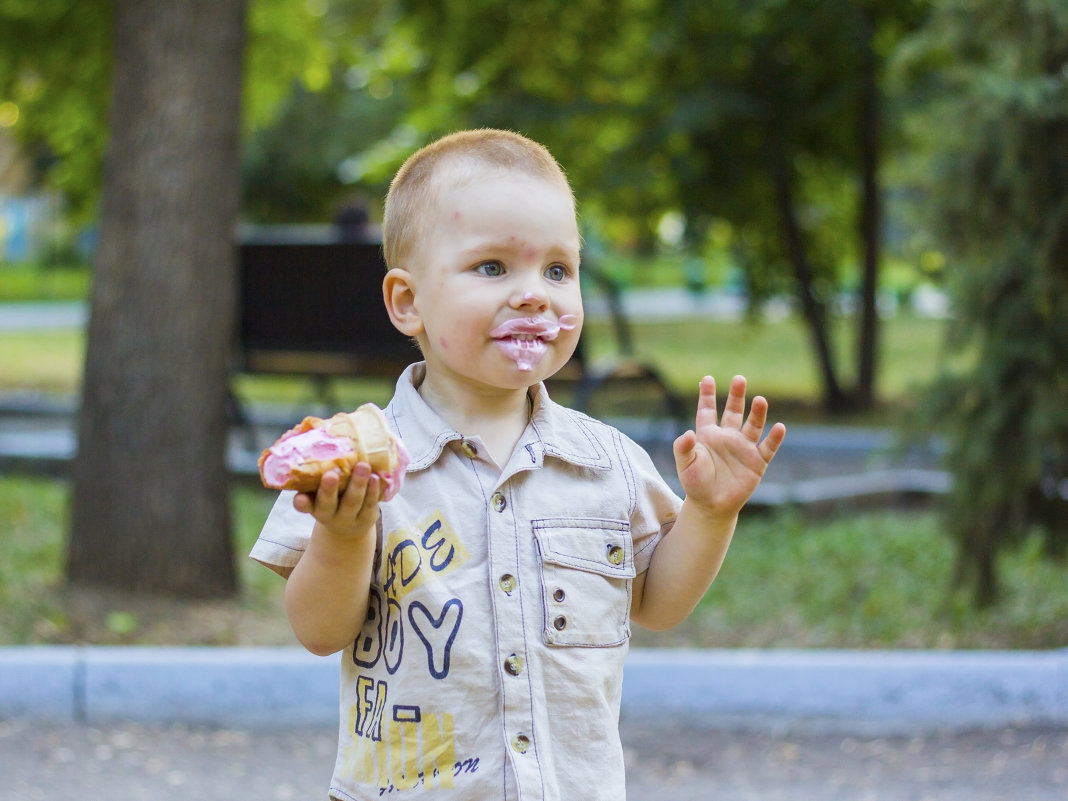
(596, 546)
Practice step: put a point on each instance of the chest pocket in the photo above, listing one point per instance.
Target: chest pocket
(586, 568)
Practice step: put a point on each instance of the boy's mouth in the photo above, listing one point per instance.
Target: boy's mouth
(523, 339)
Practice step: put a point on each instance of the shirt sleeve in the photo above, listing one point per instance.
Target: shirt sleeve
(284, 536)
(656, 505)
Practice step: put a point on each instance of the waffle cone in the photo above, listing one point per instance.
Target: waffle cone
(366, 430)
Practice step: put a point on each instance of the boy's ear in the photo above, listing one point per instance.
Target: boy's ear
(398, 292)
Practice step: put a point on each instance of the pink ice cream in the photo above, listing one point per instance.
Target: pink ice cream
(392, 480)
(318, 444)
(523, 339)
(294, 449)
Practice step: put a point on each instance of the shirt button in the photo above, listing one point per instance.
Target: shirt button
(508, 582)
(498, 502)
(469, 449)
(615, 554)
(521, 743)
(513, 665)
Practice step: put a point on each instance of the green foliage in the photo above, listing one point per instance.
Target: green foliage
(688, 106)
(870, 581)
(1000, 189)
(55, 67)
(35, 606)
(285, 47)
(33, 518)
(34, 282)
(303, 167)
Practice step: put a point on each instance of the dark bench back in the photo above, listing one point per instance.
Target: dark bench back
(316, 309)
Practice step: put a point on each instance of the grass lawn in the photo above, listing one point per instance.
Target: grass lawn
(33, 282)
(776, 356)
(873, 580)
(44, 361)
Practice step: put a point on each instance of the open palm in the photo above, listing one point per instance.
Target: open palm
(721, 461)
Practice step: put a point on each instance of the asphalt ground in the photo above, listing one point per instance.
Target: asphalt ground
(169, 762)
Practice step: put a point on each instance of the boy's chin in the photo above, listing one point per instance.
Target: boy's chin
(520, 379)
(542, 371)
(514, 378)
(506, 374)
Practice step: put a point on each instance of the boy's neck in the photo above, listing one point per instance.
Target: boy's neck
(497, 418)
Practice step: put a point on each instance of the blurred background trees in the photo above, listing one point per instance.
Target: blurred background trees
(762, 118)
(997, 189)
(800, 145)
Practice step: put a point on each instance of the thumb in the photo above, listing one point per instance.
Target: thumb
(684, 449)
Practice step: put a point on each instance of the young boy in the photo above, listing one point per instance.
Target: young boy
(484, 610)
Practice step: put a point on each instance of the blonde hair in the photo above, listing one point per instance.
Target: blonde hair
(415, 187)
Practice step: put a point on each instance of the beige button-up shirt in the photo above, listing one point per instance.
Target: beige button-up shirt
(491, 662)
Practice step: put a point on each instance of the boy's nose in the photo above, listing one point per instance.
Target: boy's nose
(528, 297)
(531, 300)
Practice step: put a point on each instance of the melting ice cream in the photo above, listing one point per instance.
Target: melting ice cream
(523, 339)
(315, 444)
(319, 445)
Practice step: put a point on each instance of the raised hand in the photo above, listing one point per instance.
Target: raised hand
(721, 462)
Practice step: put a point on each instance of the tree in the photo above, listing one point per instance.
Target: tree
(150, 511)
(151, 506)
(725, 110)
(780, 103)
(298, 169)
(999, 191)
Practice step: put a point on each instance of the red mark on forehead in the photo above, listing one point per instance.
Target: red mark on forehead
(529, 252)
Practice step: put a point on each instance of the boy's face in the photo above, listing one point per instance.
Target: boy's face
(502, 247)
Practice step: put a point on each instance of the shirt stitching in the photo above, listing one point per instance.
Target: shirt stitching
(534, 729)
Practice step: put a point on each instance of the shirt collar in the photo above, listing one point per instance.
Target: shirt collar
(563, 433)
(420, 428)
(554, 430)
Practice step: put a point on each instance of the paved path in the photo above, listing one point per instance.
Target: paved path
(128, 762)
(25, 317)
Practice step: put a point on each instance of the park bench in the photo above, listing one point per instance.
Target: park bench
(312, 307)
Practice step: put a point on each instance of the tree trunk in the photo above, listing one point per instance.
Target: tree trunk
(833, 397)
(151, 499)
(870, 217)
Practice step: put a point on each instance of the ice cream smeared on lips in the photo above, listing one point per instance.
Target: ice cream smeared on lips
(523, 339)
(314, 447)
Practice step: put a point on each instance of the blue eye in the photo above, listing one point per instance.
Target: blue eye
(556, 272)
(491, 268)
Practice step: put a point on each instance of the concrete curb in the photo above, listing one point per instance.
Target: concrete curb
(861, 692)
(846, 691)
